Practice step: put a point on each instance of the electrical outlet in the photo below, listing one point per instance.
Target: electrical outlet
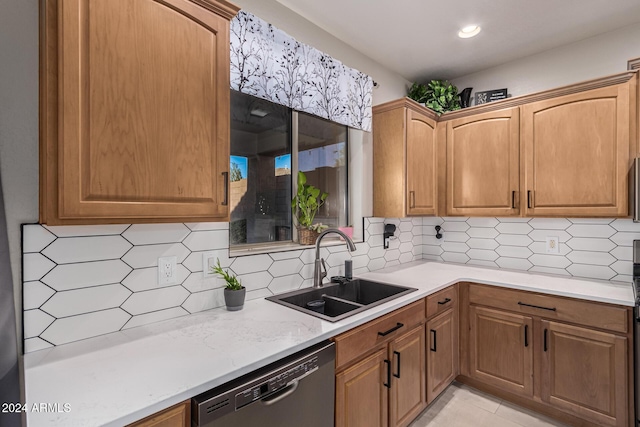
(167, 270)
(553, 245)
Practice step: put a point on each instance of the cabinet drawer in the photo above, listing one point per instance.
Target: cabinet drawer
(585, 313)
(442, 300)
(360, 340)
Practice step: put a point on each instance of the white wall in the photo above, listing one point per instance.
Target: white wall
(19, 125)
(391, 85)
(591, 58)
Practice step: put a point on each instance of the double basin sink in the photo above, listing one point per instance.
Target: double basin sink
(335, 302)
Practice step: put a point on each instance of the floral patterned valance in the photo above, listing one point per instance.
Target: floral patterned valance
(268, 63)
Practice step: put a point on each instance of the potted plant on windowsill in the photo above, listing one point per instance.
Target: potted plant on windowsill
(234, 292)
(304, 206)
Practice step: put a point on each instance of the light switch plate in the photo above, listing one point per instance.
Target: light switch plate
(209, 260)
(553, 245)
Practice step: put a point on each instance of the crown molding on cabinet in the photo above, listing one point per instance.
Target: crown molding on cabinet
(634, 67)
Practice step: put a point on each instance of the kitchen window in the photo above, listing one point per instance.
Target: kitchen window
(270, 143)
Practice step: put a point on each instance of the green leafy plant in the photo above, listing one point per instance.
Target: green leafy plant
(306, 202)
(418, 92)
(439, 95)
(232, 281)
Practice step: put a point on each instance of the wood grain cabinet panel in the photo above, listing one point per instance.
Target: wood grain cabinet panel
(422, 178)
(136, 99)
(483, 164)
(576, 157)
(501, 351)
(407, 397)
(585, 372)
(442, 353)
(175, 416)
(361, 397)
(405, 160)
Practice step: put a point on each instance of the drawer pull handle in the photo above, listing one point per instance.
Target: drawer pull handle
(526, 335)
(445, 301)
(397, 354)
(537, 306)
(395, 328)
(546, 346)
(513, 199)
(412, 199)
(432, 347)
(529, 199)
(388, 383)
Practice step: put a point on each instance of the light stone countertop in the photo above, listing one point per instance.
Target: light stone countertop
(119, 378)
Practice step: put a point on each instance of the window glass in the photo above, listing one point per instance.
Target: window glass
(322, 156)
(260, 171)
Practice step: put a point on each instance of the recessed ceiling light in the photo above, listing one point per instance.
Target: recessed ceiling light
(258, 112)
(469, 31)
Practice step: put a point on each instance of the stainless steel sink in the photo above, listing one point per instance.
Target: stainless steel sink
(334, 301)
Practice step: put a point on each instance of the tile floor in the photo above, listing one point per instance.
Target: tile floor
(462, 406)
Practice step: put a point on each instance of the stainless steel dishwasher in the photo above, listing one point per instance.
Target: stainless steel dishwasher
(296, 391)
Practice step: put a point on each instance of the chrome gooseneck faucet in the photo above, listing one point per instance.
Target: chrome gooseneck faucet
(320, 269)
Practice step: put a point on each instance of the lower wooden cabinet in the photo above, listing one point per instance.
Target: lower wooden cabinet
(407, 393)
(175, 416)
(380, 370)
(361, 395)
(585, 372)
(500, 352)
(386, 388)
(519, 349)
(442, 353)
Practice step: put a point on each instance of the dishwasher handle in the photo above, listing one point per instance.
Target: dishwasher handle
(277, 397)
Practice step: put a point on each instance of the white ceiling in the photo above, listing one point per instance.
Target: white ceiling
(418, 38)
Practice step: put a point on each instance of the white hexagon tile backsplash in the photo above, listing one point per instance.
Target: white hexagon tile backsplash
(84, 281)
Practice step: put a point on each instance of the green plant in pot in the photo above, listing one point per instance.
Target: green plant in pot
(304, 206)
(234, 292)
(438, 95)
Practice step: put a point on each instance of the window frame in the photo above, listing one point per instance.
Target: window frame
(289, 245)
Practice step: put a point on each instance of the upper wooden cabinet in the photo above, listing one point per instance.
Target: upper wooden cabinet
(404, 160)
(134, 111)
(483, 164)
(576, 153)
(563, 152)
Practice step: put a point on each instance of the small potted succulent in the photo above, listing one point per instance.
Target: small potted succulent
(305, 205)
(234, 292)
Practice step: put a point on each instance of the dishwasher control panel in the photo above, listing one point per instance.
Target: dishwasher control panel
(275, 383)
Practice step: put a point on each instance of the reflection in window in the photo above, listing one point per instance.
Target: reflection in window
(322, 156)
(261, 169)
(260, 200)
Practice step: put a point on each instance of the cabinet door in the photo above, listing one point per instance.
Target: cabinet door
(362, 398)
(176, 416)
(585, 372)
(422, 173)
(407, 397)
(442, 353)
(500, 349)
(483, 164)
(143, 112)
(577, 154)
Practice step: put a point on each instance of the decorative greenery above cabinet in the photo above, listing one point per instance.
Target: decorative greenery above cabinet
(134, 102)
(565, 152)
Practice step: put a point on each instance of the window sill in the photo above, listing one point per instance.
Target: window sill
(283, 247)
